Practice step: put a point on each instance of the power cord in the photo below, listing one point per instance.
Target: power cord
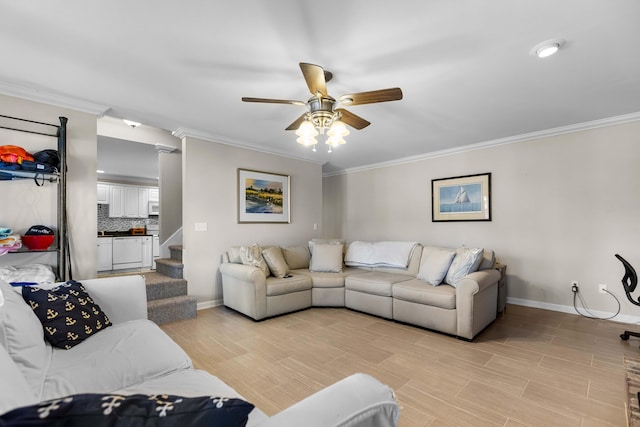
(576, 295)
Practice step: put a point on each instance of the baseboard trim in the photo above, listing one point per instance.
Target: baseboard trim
(621, 318)
(209, 304)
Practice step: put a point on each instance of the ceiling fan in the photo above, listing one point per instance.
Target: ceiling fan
(323, 112)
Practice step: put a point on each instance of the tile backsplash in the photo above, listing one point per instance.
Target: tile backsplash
(120, 224)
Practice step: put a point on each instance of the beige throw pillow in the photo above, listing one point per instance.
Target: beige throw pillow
(326, 258)
(466, 261)
(434, 264)
(297, 257)
(275, 261)
(252, 255)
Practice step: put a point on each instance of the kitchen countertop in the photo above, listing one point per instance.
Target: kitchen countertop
(121, 234)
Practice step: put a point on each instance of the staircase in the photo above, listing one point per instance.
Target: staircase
(167, 298)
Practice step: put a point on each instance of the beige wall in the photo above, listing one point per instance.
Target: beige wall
(562, 207)
(210, 196)
(29, 205)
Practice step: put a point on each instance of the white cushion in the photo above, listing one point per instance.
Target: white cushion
(274, 259)
(119, 356)
(22, 336)
(326, 258)
(252, 255)
(466, 261)
(15, 390)
(434, 264)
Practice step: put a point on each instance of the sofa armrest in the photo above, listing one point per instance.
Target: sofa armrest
(358, 400)
(122, 298)
(244, 289)
(476, 301)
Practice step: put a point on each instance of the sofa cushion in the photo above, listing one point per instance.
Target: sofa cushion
(326, 257)
(374, 282)
(275, 260)
(18, 393)
(417, 291)
(252, 255)
(287, 285)
(466, 261)
(488, 260)
(330, 280)
(22, 336)
(104, 410)
(137, 351)
(434, 264)
(296, 256)
(314, 242)
(67, 313)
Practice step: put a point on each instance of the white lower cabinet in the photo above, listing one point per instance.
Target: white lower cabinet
(147, 252)
(105, 253)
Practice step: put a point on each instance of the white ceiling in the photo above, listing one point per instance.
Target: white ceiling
(464, 66)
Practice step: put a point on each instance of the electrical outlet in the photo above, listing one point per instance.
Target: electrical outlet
(602, 288)
(574, 286)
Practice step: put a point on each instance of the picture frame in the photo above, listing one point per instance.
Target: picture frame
(461, 198)
(263, 197)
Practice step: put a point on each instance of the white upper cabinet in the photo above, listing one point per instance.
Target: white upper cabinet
(103, 193)
(127, 201)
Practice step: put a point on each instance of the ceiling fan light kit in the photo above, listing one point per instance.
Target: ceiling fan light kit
(323, 116)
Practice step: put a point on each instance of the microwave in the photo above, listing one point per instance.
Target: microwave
(154, 208)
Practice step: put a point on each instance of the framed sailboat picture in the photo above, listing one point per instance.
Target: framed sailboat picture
(263, 197)
(461, 198)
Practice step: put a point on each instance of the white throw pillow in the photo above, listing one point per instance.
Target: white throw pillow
(252, 255)
(466, 261)
(434, 264)
(275, 261)
(326, 258)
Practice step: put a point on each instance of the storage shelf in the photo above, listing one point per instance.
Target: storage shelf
(21, 174)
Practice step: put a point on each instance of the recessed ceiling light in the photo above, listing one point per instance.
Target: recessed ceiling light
(546, 48)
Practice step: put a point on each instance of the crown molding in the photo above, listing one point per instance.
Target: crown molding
(561, 130)
(51, 98)
(192, 133)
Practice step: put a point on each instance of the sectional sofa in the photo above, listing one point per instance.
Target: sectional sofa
(453, 291)
(123, 366)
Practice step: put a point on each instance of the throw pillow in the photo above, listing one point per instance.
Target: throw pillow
(434, 264)
(67, 313)
(252, 255)
(103, 410)
(326, 258)
(275, 261)
(297, 257)
(466, 261)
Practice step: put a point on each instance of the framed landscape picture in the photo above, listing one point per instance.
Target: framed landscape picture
(263, 197)
(461, 198)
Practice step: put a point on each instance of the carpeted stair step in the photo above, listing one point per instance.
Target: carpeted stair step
(169, 267)
(160, 286)
(176, 252)
(171, 309)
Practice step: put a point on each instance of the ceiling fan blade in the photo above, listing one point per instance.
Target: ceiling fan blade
(352, 120)
(382, 95)
(295, 125)
(315, 77)
(273, 101)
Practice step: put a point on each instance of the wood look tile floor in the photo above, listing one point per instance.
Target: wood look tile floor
(531, 367)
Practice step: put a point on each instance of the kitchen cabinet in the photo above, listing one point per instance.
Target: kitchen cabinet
(116, 201)
(105, 253)
(154, 194)
(143, 202)
(103, 194)
(147, 251)
(128, 201)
